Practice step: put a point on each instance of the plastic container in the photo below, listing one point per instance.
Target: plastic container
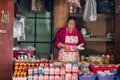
(51, 77)
(46, 70)
(68, 67)
(41, 77)
(57, 70)
(52, 70)
(62, 70)
(106, 78)
(40, 70)
(87, 77)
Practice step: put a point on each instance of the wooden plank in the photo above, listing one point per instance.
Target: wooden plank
(98, 39)
(60, 14)
(98, 15)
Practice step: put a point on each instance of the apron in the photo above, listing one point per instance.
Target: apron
(72, 54)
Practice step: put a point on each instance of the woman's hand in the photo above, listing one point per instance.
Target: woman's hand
(61, 45)
(67, 47)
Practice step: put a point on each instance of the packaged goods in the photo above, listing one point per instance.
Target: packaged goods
(41, 77)
(51, 77)
(46, 70)
(62, 70)
(35, 77)
(52, 70)
(57, 70)
(57, 77)
(75, 67)
(30, 77)
(68, 67)
(46, 77)
(35, 70)
(30, 71)
(40, 70)
(62, 77)
(68, 76)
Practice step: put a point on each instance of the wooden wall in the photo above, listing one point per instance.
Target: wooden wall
(117, 32)
(6, 41)
(60, 14)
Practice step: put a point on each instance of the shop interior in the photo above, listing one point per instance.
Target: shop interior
(28, 29)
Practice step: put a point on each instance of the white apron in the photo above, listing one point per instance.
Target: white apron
(72, 54)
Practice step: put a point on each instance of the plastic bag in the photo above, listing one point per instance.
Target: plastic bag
(17, 29)
(90, 12)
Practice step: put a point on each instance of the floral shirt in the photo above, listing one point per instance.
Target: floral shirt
(61, 34)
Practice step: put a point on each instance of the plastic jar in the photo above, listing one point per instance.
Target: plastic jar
(52, 70)
(46, 70)
(57, 70)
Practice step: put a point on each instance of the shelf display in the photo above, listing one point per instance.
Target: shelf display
(47, 70)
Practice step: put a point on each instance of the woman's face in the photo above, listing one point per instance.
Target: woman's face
(71, 24)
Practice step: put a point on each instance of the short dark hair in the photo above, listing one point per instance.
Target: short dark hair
(71, 18)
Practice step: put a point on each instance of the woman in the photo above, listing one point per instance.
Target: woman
(67, 39)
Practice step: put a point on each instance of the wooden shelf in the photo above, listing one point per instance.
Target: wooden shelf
(98, 39)
(98, 15)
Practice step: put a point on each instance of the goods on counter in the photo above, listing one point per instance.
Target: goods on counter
(110, 67)
(95, 59)
(46, 70)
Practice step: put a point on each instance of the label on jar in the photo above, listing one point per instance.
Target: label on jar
(68, 76)
(46, 77)
(74, 68)
(57, 70)
(30, 71)
(62, 77)
(40, 70)
(35, 77)
(74, 77)
(62, 70)
(41, 77)
(30, 77)
(46, 70)
(51, 77)
(57, 77)
(52, 70)
(68, 67)
(35, 70)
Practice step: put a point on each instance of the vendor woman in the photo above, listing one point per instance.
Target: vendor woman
(67, 39)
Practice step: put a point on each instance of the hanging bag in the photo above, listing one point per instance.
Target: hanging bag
(90, 12)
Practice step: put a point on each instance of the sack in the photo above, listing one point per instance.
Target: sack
(90, 12)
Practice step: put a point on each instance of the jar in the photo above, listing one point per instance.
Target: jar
(52, 70)
(57, 70)
(41, 77)
(46, 77)
(35, 70)
(57, 77)
(30, 77)
(68, 76)
(51, 77)
(35, 77)
(30, 71)
(40, 70)
(68, 67)
(46, 70)
(74, 76)
(62, 70)
(84, 31)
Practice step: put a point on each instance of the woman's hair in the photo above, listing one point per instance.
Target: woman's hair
(71, 18)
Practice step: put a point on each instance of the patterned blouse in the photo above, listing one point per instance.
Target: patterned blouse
(60, 36)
